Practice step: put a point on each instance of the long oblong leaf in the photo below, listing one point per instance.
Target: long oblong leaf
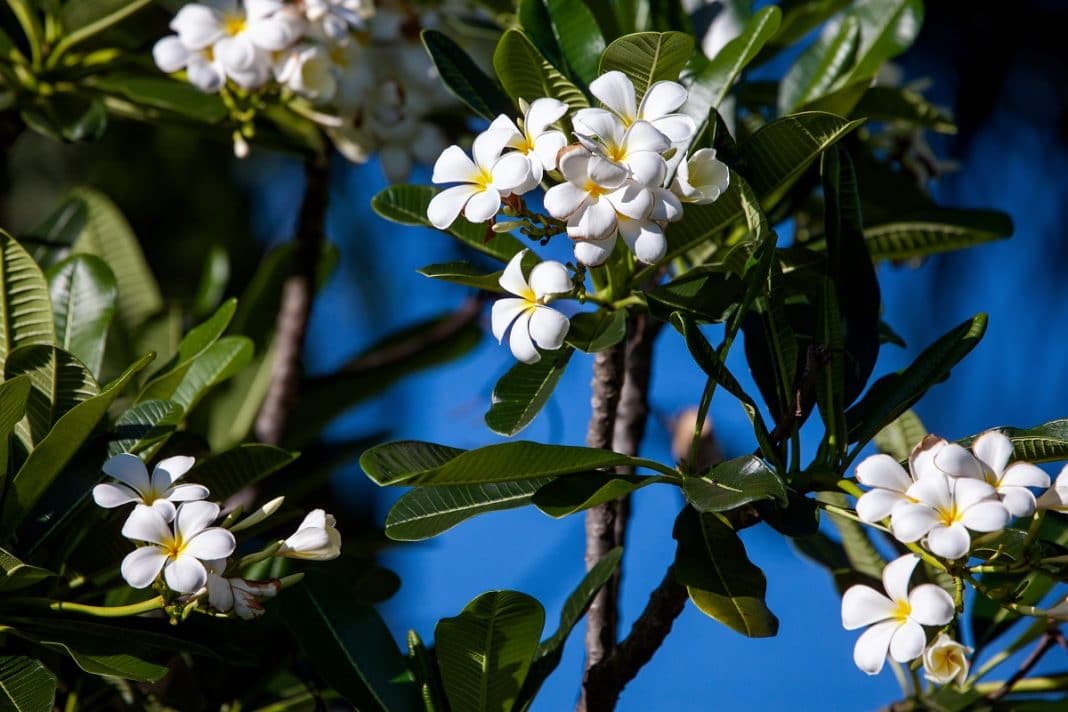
(579, 38)
(523, 391)
(84, 293)
(229, 472)
(58, 381)
(193, 345)
(426, 512)
(145, 427)
(815, 71)
(527, 75)
(574, 493)
(25, 306)
(26, 685)
(648, 57)
(733, 483)
(463, 78)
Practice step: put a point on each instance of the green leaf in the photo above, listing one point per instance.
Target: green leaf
(464, 273)
(412, 462)
(108, 236)
(574, 493)
(887, 28)
(82, 20)
(881, 103)
(14, 395)
(733, 483)
(596, 331)
(14, 574)
(1047, 442)
(861, 553)
(831, 377)
(551, 650)
(26, 310)
(164, 94)
(230, 472)
(578, 36)
(53, 453)
(799, 17)
(406, 204)
(145, 427)
(817, 68)
(722, 582)
(714, 78)
(103, 660)
(463, 77)
(527, 75)
(522, 392)
(534, 20)
(349, 646)
(219, 362)
(58, 383)
(485, 652)
(782, 150)
(701, 225)
(26, 685)
(939, 230)
(707, 293)
(83, 292)
(648, 57)
(194, 345)
(902, 434)
(892, 395)
(67, 116)
(50, 241)
(426, 512)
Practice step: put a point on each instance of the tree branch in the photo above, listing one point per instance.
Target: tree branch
(1052, 637)
(291, 327)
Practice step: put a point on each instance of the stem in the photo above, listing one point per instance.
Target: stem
(132, 609)
(1036, 525)
(1051, 638)
(1047, 683)
(94, 28)
(1023, 610)
(297, 294)
(27, 19)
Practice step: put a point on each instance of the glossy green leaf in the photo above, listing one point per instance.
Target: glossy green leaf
(58, 383)
(596, 331)
(882, 103)
(51, 240)
(14, 395)
(145, 427)
(534, 20)
(214, 276)
(941, 230)
(733, 483)
(69, 117)
(194, 345)
(348, 646)
(831, 377)
(26, 685)
(574, 493)
(705, 293)
(84, 293)
(25, 310)
(464, 273)
(417, 463)
(406, 204)
(425, 512)
(164, 94)
(220, 361)
(816, 69)
(14, 574)
(706, 226)
(463, 77)
(722, 582)
(485, 652)
(105, 660)
(887, 28)
(648, 57)
(860, 551)
(904, 433)
(579, 38)
(524, 390)
(1047, 442)
(81, 20)
(799, 17)
(230, 472)
(527, 75)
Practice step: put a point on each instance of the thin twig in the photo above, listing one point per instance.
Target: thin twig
(297, 295)
(1052, 637)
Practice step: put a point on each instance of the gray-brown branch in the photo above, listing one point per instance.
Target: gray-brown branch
(291, 327)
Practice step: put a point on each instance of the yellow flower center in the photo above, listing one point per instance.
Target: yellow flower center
(594, 190)
(526, 145)
(484, 179)
(615, 153)
(174, 547)
(234, 25)
(902, 611)
(949, 515)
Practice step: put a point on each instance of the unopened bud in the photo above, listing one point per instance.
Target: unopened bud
(682, 431)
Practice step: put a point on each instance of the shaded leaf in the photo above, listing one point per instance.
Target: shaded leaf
(426, 512)
(464, 273)
(524, 390)
(904, 433)
(15, 574)
(733, 483)
(463, 77)
(26, 685)
(817, 68)
(26, 310)
(195, 344)
(58, 382)
(229, 472)
(574, 493)
(83, 293)
(527, 75)
(164, 94)
(596, 331)
(579, 38)
(648, 57)
(145, 427)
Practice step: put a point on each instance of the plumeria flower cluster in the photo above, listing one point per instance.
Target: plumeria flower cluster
(949, 492)
(612, 179)
(183, 548)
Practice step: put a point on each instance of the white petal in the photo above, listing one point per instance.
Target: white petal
(643, 136)
(574, 164)
(547, 147)
(598, 123)
(185, 574)
(206, 76)
(487, 146)
(220, 595)
(170, 54)
(1024, 474)
(869, 653)
(109, 496)
(483, 205)
(863, 605)
(632, 200)
(187, 493)
(594, 253)
(129, 470)
(883, 471)
(908, 642)
(615, 90)
(541, 113)
(511, 171)
(141, 566)
(564, 199)
(1056, 497)
(212, 543)
(165, 508)
(505, 123)
(666, 205)
(934, 491)
(660, 99)
(194, 517)
(994, 449)
(645, 239)
(146, 524)
(595, 220)
(446, 206)
(910, 521)
(198, 26)
(955, 461)
(967, 492)
(275, 34)
(237, 54)
(647, 168)
(549, 277)
(1019, 501)
(930, 605)
(896, 576)
(989, 516)
(168, 471)
(678, 128)
(504, 312)
(548, 328)
(606, 174)
(454, 166)
(512, 279)
(950, 542)
(308, 539)
(876, 505)
(520, 343)
(921, 459)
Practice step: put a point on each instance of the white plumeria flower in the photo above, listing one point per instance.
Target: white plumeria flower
(336, 19)
(535, 140)
(636, 147)
(615, 90)
(534, 323)
(317, 538)
(701, 178)
(178, 553)
(158, 491)
(896, 619)
(309, 71)
(987, 461)
(644, 237)
(594, 193)
(945, 660)
(889, 481)
(483, 181)
(237, 594)
(201, 68)
(1056, 497)
(944, 510)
